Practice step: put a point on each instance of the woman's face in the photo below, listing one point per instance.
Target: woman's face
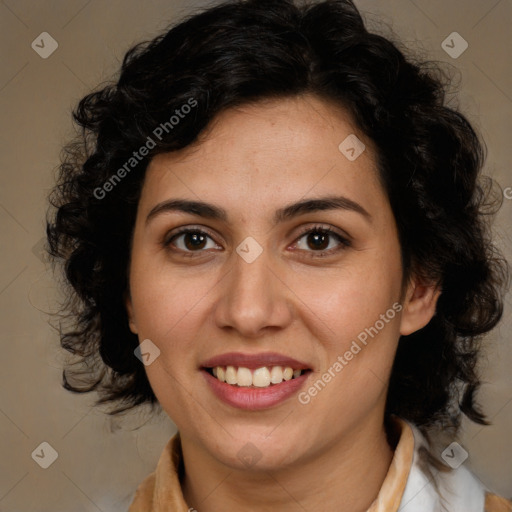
(251, 289)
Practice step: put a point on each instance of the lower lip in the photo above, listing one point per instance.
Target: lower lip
(252, 398)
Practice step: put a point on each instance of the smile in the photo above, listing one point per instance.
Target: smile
(254, 381)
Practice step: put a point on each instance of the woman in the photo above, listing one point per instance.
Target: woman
(274, 228)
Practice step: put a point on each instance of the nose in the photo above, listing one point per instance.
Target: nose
(254, 298)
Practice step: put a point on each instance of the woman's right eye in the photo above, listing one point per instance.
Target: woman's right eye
(189, 240)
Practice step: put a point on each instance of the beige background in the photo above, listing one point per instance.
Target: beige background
(102, 460)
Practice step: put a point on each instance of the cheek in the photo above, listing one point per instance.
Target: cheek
(357, 362)
(341, 304)
(167, 312)
(355, 315)
(165, 302)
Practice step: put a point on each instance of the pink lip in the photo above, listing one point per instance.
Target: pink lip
(253, 361)
(251, 398)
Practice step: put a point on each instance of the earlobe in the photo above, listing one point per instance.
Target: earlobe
(131, 316)
(419, 306)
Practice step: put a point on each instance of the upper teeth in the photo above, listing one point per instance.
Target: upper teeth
(261, 377)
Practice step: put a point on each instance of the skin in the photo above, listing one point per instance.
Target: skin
(251, 161)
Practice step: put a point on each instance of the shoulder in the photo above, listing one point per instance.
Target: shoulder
(467, 491)
(451, 490)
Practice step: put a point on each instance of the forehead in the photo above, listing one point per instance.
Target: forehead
(273, 151)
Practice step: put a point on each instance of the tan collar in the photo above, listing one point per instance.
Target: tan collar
(392, 489)
(161, 490)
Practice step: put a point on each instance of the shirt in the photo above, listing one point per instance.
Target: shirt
(406, 487)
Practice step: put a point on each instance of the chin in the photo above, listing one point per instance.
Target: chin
(248, 450)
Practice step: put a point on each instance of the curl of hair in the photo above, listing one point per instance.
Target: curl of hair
(429, 158)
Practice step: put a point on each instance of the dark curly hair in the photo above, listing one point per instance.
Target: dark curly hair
(238, 52)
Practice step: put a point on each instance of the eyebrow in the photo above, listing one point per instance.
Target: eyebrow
(213, 212)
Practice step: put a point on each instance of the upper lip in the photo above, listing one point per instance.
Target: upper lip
(254, 361)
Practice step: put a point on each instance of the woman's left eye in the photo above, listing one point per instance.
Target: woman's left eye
(318, 238)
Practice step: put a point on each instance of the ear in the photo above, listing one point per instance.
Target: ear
(131, 315)
(419, 306)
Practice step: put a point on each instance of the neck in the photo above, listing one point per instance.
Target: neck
(347, 476)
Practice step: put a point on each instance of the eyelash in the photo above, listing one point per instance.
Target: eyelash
(344, 242)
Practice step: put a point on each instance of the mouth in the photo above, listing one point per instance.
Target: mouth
(254, 381)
